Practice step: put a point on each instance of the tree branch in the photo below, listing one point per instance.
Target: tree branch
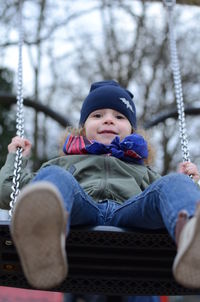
(8, 100)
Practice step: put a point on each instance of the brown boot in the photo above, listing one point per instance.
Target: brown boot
(186, 267)
(181, 221)
(38, 228)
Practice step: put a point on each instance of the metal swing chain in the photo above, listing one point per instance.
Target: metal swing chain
(177, 81)
(19, 119)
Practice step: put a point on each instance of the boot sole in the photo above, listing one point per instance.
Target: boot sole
(38, 228)
(186, 267)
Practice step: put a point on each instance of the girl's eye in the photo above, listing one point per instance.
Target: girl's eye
(120, 117)
(97, 115)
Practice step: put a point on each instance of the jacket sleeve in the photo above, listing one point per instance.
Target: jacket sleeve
(6, 176)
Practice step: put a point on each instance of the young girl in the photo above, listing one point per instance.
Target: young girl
(101, 180)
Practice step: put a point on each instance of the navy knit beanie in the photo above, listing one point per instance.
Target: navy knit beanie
(109, 94)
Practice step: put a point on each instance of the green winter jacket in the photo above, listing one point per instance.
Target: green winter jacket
(102, 177)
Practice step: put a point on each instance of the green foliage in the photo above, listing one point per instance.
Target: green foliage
(7, 119)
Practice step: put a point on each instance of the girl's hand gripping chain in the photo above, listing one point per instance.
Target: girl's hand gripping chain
(18, 142)
(189, 168)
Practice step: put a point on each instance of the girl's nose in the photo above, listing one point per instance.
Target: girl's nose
(108, 119)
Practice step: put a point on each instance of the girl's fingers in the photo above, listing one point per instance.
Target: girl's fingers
(182, 167)
(189, 169)
(18, 142)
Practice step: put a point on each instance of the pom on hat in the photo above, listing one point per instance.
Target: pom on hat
(109, 94)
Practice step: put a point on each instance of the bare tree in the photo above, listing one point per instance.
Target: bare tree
(72, 45)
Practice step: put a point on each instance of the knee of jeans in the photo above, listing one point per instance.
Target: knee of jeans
(176, 177)
(54, 171)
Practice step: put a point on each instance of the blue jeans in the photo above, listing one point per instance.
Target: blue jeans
(156, 207)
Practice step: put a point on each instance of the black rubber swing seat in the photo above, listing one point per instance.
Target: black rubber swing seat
(105, 260)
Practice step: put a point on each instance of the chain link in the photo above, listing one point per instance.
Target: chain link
(19, 119)
(177, 81)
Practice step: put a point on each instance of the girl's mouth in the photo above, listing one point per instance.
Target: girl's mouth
(108, 132)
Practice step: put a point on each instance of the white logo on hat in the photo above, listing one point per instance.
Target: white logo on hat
(126, 102)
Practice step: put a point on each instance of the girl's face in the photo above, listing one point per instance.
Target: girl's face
(104, 124)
